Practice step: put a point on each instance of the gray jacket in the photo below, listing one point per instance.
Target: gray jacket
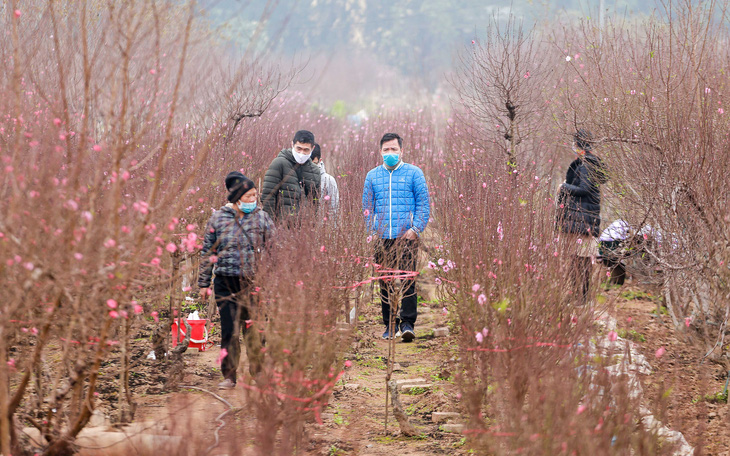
(329, 188)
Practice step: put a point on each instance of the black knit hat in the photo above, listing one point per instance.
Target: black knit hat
(583, 139)
(237, 185)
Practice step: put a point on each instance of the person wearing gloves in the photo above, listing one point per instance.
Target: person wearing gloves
(396, 207)
(579, 210)
(292, 180)
(234, 238)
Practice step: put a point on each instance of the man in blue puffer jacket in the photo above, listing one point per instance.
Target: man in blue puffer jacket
(396, 208)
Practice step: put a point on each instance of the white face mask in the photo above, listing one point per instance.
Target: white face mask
(301, 158)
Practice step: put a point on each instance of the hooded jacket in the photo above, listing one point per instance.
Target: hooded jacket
(235, 242)
(395, 201)
(288, 185)
(579, 201)
(329, 188)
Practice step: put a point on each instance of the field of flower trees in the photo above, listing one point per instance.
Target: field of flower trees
(119, 122)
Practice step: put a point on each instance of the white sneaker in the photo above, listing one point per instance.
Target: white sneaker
(398, 334)
(226, 384)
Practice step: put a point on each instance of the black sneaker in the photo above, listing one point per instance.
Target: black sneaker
(407, 332)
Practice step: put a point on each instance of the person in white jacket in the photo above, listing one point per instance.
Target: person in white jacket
(329, 195)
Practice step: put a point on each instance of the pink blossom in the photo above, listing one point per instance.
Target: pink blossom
(114, 314)
(366, 212)
(137, 308)
(444, 311)
(438, 281)
(17, 13)
(125, 175)
(11, 363)
(110, 243)
(111, 303)
(72, 205)
(482, 299)
(29, 266)
(172, 248)
(348, 363)
(56, 121)
(155, 261)
(441, 261)
(299, 284)
(141, 206)
(97, 148)
(326, 197)
(660, 351)
(322, 249)
(369, 239)
(155, 316)
(687, 321)
(431, 265)
(581, 408)
(721, 111)
(475, 287)
(213, 259)
(612, 336)
(479, 337)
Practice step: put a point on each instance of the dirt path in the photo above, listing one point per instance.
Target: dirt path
(354, 422)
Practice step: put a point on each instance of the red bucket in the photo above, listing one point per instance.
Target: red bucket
(198, 334)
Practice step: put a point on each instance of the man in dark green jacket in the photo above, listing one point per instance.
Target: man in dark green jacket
(292, 180)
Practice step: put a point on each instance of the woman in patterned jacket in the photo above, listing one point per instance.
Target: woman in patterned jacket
(234, 238)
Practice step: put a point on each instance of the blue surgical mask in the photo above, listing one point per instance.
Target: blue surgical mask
(391, 159)
(247, 208)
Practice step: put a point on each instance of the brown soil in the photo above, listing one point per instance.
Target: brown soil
(680, 379)
(354, 423)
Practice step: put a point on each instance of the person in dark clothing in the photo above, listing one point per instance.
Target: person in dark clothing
(579, 209)
(234, 238)
(292, 180)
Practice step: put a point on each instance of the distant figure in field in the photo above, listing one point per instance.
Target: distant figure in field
(234, 238)
(329, 194)
(579, 214)
(292, 180)
(396, 207)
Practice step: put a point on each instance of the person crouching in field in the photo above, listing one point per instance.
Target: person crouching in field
(579, 210)
(234, 239)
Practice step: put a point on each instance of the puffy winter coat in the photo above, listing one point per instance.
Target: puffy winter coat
(395, 201)
(579, 201)
(288, 185)
(235, 242)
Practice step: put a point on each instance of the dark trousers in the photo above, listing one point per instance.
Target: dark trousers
(235, 302)
(399, 254)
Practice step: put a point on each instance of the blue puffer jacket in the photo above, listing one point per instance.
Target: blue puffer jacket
(395, 201)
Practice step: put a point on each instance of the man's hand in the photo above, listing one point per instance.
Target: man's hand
(410, 235)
